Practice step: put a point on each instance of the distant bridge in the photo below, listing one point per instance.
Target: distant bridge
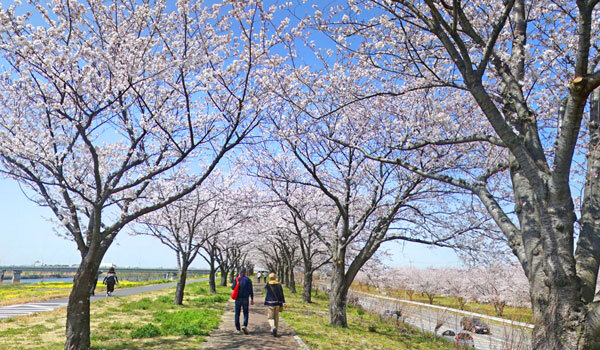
(17, 270)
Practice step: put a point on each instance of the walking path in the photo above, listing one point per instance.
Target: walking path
(259, 337)
(30, 308)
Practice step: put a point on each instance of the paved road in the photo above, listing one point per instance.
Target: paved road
(501, 337)
(30, 308)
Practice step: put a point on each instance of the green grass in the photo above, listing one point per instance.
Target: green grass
(510, 313)
(144, 321)
(365, 330)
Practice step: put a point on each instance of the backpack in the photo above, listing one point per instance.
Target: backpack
(110, 279)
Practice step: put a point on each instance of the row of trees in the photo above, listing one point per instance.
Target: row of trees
(499, 285)
(464, 124)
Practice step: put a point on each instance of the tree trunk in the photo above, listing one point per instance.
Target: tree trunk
(211, 276)
(499, 308)
(232, 277)
(286, 276)
(338, 296)
(78, 307)
(461, 302)
(430, 297)
(558, 321)
(181, 284)
(224, 273)
(211, 281)
(307, 286)
(292, 281)
(281, 274)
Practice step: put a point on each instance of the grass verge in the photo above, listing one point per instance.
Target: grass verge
(144, 321)
(365, 330)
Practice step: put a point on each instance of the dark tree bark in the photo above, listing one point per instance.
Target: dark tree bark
(179, 290)
(78, 316)
(307, 286)
(338, 295)
(224, 273)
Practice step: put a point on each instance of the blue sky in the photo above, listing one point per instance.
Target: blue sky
(26, 236)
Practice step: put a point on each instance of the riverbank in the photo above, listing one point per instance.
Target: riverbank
(20, 293)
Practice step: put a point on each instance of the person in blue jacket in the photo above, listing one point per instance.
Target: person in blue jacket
(245, 292)
(275, 301)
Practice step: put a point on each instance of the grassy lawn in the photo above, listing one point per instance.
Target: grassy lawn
(144, 321)
(18, 293)
(365, 330)
(510, 313)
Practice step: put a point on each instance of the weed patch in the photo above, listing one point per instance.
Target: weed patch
(146, 331)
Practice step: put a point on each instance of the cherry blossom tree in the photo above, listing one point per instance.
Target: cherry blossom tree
(429, 282)
(178, 226)
(312, 250)
(191, 225)
(372, 202)
(100, 101)
(499, 285)
(457, 283)
(277, 245)
(231, 213)
(511, 84)
(299, 209)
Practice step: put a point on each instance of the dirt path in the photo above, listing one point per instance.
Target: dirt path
(259, 337)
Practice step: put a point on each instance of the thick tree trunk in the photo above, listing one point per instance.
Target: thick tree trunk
(181, 284)
(338, 296)
(547, 233)
(558, 322)
(307, 286)
(78, 307)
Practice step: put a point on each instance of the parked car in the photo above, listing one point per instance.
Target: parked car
(460, 338)
(474, 324)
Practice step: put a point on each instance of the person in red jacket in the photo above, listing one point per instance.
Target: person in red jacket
(245, 292)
